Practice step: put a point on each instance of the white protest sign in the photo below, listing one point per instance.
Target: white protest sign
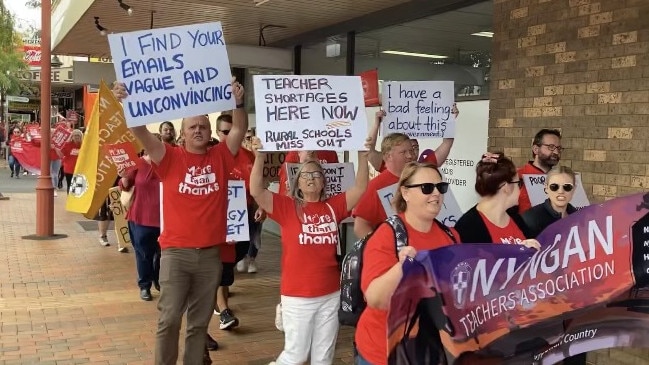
(449, 214)
(310, 112)
(339, 177)
(171, 73)
(535, 184)
(237, 212)
(420, 109)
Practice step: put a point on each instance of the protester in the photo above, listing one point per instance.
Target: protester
(310, 276)
(143, 218)
(300, 157)
(546, 152)
(418, 199)
(194, 210)
(14, 164)
(491, 220)
(70, 153)
(167, 132)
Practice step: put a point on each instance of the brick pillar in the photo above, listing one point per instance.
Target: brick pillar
(581, 66)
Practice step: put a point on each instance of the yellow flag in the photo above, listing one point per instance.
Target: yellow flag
(95, 173)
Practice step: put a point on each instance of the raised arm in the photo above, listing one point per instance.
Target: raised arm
(258, 191)
(354, 194)
(443, 150)
(375, 157)
(153, 146)
(239, 120)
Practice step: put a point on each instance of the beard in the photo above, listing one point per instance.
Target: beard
(548, 161)
(168, 138)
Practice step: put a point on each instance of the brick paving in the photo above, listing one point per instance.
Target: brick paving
(71, 301)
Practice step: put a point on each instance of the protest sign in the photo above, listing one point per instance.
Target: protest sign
(583, 291)
(119, 215)
(535, 185)
(310, 112)
(449, 214)
(60, 135)
(370, 82)
(171, 73)
(33, 132)
(272, 164)
(339, 177)
(123, 156)
(420, 109)
(237, 212)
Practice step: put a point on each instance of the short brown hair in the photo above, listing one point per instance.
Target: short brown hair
(491, 175)
(392, 140)
(411, 168)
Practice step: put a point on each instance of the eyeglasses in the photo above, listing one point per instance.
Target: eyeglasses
(310, 175)
(428, 188)
(248, 138)
(225, 131)
(553, 147)
(566, 187)
(518, 182)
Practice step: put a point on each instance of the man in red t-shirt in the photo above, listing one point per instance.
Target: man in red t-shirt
(546, 152)
(194, 206)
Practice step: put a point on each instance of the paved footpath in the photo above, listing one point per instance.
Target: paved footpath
(72, 301)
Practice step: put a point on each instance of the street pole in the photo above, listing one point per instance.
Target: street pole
(44, 188)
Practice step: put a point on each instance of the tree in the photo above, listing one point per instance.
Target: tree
(11, 57)
(33, 3)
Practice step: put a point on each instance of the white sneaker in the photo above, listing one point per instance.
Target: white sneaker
(103, 240)
(242, 266)
(217, 313)
(252, 267)
(55, 193)
(278, 318)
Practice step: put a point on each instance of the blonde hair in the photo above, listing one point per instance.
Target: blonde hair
(296, 193)
(561, 169)
(398, 202)
(77, 132)
(392, 140)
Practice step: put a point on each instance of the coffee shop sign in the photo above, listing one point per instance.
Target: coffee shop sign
(59, 75)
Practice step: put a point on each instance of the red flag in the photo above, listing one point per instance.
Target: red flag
(370, 81)
(27, 154)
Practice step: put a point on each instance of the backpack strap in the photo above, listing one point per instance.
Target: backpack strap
(446, 230)
(400, 233)
(333, 215)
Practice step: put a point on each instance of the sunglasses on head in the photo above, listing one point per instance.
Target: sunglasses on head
(225, 131)
(566, 187)
(428, 188)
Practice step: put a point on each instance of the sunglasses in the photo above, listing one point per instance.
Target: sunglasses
(428, 188)
(225, 131)
(566, 187)
(248, 138)
(313, 175)
(518, 182)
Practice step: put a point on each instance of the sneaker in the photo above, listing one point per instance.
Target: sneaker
(122, 249)
(211, 343)
(103, 240)
(278, 318)
(228, 320)
(252, 267)
(216, 312)
(55, 193)
(242, 266)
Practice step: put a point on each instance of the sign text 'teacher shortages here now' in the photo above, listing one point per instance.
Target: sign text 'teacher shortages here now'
(172, 73)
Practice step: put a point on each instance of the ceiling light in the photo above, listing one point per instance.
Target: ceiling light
(128, 8)
(484, 34)
(423, 55)
(101, 29)
(260, 2)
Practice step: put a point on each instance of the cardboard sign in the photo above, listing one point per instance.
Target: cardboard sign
(60, 135)
(449, 214)
(310, 112)
(339, 177)
(237, 212)
(535, 184)
(34, 132)
(119, 214)
(370, 82)
(123, 156)
(420, 109)
(171, 73)
(272, 164)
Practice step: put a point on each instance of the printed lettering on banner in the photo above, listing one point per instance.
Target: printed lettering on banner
(420, 109)
(237, 212)
(171, 73)
(60, 135)
(449, 214)
(119, 213)
(122, 155)
(339, 177)
(310, 112)
(535, 185)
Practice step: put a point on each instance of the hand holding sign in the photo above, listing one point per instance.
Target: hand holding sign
(237, 90)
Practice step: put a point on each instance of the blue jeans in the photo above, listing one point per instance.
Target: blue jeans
(147, 253)
(361, 361)
(14, 165)
(55, 166)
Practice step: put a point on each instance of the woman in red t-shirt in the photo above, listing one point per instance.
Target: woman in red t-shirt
(301, 157)
(310, 276)
(492, 220)
(70, 153)
(417, 201)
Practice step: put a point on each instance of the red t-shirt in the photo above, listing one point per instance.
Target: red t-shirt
(379, 256)
(370, 207)
(524, 199)
(70, 152)
(509, 235)
(194, 196)
(309, 243)
(293, 157)
(243, 166)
